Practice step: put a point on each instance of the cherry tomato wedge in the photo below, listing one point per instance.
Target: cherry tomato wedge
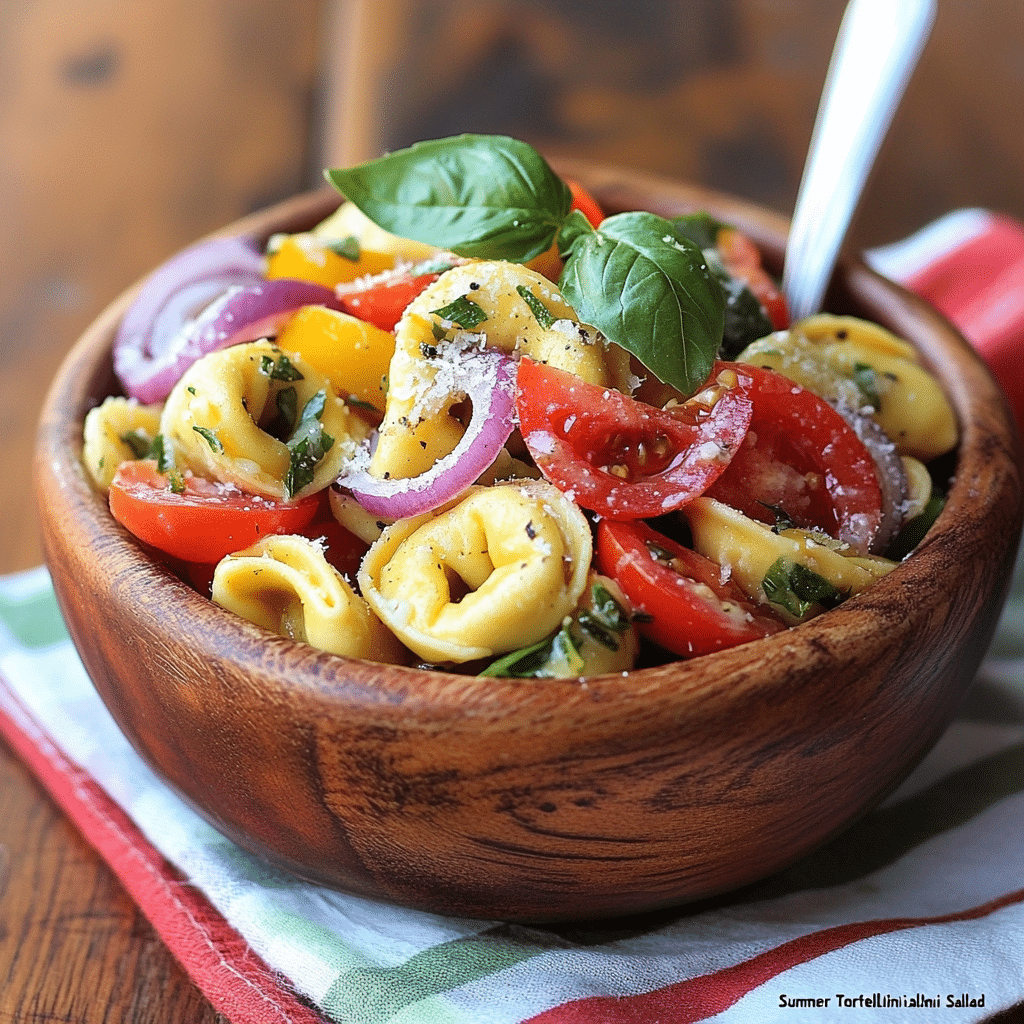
(801, 462)
(692, 611)
(342, 549)
(206, 520)
(383, 303)
(583, 201)
(742, 259)
(623, 458)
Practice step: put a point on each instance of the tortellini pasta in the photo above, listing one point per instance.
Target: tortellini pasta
(746, 550)
(286, 585)
(504, 300)
(496, 571)
(262, 419)
(348, 221)
(115, 431)
(858, 364)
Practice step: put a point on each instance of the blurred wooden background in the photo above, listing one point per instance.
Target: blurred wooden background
(129, 129)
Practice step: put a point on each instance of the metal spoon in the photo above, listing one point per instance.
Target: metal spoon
(878, 45)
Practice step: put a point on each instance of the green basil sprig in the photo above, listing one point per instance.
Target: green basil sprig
(649, 290)
(636, 278)
(477, 195)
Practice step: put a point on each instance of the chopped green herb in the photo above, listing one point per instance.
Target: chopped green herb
(279, 369)
(555, 657)
(782, 520)
(463, 313)
(175, 481)
(191, 390)
(163, 455)
(308, 446)
(866, 379)
(287, 402)
(604, 618)
(658, 553)
(358, 403)
(211, 438)
(347, 247)
(541, 312)
(912, 532)
(138, 441)
(794, 587)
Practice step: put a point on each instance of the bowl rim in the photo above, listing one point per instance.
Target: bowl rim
(988, 441)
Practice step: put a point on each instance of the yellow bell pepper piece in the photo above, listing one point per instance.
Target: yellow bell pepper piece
(302, 257)
(354, 355)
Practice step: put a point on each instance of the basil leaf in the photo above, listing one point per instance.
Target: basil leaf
(795, 587)
(913, 530)
(346, 247)
(462, 312)
(604, 618)
(866, 379)
(138, 441)
(700, 228)
(163, 455)
(487, 196)
(540, 312)
(211, 438)
(279, 369)
(555, 657)
(650, 292)
(308, 445)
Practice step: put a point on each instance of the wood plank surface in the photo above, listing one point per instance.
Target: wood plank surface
(127, 130)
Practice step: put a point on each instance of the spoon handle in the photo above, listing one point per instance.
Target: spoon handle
(878, 45)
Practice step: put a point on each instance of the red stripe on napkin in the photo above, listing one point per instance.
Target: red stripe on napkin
(696, 999)
(219, 961)
(975, 278)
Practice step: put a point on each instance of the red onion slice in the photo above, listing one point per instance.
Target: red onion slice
(892, 479)
(174, 294)
(239, 314)
(489, 380)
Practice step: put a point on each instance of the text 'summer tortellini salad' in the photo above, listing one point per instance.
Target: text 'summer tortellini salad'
(468, 422)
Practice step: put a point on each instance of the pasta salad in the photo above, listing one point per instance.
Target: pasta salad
(470, 423)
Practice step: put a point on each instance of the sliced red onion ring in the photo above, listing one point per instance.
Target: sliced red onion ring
(892, 479)
(489, 380)
(239, 314)
(173, 295)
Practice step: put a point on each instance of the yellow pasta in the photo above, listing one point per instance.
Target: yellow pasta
(115, 431)
(497, 571)
(286, 585)
(423, 377)
(863, 366)
(231, 414)
(348, 221)
(746, 550)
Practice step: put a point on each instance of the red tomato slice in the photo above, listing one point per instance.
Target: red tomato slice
(620, 457)
(384, 303)
(801, 458)
(206, 521)
(692, 611)
(583, 201)
(343, 549)
(742, 260)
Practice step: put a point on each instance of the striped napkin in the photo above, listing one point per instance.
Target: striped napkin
(914, 914)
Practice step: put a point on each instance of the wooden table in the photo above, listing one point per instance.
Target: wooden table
(83, 219)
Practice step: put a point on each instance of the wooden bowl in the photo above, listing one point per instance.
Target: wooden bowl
(542, 800)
